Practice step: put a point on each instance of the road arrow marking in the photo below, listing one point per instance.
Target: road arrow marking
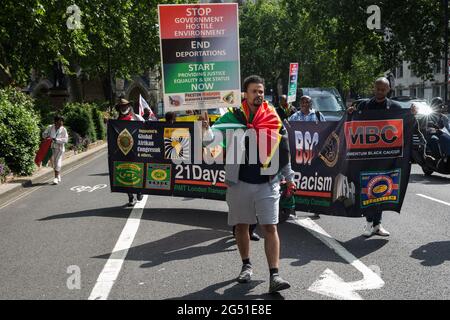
(330, 284)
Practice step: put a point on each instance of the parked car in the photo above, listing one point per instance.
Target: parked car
(327, 101)
(423, 108)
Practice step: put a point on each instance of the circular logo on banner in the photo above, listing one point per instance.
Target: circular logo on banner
(159, 175)
(379, 187)
(125, 141)
(330, 150)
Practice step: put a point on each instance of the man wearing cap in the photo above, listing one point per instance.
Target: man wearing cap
(306, 113)
(126, 113)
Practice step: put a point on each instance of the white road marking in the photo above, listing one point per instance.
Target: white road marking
(329, 283)
(88, 188)
(111, 270)
(23, 195)
(433, 199)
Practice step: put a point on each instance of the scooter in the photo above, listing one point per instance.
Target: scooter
(430, 161)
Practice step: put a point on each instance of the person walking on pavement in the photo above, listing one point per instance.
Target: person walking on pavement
(378, 102)
(251, 195)
(285, 110)
(59, 137)
(126, 113)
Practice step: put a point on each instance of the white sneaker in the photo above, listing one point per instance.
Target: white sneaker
(368, 230)
(379, 230)
(55, 181)
(59, 178)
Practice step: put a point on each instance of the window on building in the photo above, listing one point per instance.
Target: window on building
(421, 92)
(400, 71)
(437, 67)
(413, 75)
(436, 91)
(413, 91)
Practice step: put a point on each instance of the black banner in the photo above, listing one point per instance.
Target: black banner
(347, 168)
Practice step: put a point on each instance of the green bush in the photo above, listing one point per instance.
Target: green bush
(100, 129)
(19, 131)
(78, 116)
(4, 170)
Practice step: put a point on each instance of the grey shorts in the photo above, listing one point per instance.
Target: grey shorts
(247, 202)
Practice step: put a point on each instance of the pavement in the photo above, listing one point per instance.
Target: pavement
(77, 240)
(7, 190)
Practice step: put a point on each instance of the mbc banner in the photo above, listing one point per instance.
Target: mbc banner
(347, 168)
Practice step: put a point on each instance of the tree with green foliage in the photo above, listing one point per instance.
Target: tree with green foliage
(19, 131)
(34, 34)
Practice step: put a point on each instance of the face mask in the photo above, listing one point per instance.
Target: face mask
(126, 111)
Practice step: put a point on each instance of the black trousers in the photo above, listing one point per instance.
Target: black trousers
(131, 196)
(374, 217)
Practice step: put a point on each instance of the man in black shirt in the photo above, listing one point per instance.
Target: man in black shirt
(378, 102)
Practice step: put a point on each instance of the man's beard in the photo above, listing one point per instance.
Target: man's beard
(257, 101)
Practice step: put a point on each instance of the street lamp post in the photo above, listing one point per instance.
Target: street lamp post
(110, 92)
(446, 50)
(447, 67)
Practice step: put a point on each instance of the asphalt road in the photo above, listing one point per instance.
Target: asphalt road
(56, 243)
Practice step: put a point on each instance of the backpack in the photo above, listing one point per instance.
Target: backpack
(318, 116)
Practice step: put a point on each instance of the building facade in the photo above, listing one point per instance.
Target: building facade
(406, 83)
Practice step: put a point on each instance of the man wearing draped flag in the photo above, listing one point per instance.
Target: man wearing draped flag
(253, 191)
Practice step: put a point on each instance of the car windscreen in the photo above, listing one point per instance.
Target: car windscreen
(404, 104)
(326, 103)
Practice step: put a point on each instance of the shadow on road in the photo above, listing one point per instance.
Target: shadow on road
(297, 243)
(104, 174)
(433, 253)
(435, 180)
(183, 245)
(110, 212)
(243, 291)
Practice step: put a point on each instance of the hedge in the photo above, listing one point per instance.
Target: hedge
(19, 131)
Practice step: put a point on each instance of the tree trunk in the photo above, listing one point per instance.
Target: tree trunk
(76, 92)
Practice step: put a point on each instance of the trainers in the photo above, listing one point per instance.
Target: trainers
(131, 202)
(246, 273)
(277, 284)
(55, 181)
(368, 230)
(379, 230)
(139, 197)
(59, 178)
